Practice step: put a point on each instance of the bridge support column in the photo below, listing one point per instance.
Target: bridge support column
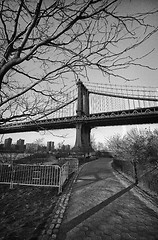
(83, 143)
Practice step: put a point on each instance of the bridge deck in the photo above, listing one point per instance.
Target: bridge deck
(127, 117)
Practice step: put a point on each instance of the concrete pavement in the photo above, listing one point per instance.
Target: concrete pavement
(101, 207)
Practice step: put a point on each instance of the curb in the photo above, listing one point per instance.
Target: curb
(55, 218)
(149, 201)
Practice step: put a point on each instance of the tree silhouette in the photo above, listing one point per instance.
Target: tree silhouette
(43, 43)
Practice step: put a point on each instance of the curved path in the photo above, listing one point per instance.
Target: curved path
(101, 208)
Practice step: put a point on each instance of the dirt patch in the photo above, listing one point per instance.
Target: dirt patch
(24, 210)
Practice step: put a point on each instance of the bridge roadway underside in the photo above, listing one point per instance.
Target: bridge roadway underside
(128, 117)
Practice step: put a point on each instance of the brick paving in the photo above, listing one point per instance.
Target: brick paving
(54, 220)
(100, 207)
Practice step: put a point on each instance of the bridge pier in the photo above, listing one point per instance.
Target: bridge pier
(82, 143)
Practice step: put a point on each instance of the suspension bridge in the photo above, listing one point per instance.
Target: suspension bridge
(88, 105)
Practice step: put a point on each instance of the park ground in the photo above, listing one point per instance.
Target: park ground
(24, 210)
(100, 207)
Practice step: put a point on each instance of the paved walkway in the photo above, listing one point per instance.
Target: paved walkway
(101, 208)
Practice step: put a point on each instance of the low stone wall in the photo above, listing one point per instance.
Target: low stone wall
(147, 176)
(125, 167)
(149, 181)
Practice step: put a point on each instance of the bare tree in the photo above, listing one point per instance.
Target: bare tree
(44, 43)
(39, 142)
(93, 142)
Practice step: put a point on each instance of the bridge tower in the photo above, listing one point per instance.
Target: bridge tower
(83, 143)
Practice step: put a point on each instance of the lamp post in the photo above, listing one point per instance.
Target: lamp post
(135, 162)
(135, 172)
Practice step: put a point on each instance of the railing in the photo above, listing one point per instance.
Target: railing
(64, 174)
(37, 175)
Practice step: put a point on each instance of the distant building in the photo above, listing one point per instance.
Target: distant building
(1, 147)
(50, 146)
(20, 144)
(8, 143)
(65, 147)
(14, 148)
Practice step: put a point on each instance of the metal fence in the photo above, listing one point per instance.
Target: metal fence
(72, 162)
(37, 175)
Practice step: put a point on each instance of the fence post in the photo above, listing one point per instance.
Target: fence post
(12, 176)
(60, 181)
